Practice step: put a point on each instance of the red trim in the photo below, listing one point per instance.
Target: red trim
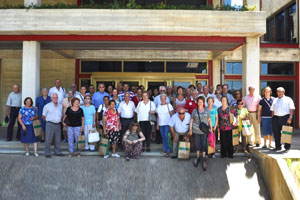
(202, 76)
(297, 95)
(78, 2)
(136, 38)
(210, 2)
(210, 72)
(279, 46)
(278, 78)
(237, 77)
(85, 76)
(77, 69)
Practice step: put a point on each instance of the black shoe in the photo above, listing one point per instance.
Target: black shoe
(8, 140)
(231, 157)
(148, 150)
(196, 162)
(257, 145)
(277, 149)
(173, 157)
(287, 150)
(204, 164)
(18, 139)
(48, 156)
(61, 155)
(143, 150)
(42, 141)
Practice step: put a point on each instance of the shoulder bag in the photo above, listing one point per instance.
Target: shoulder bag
(202, 126)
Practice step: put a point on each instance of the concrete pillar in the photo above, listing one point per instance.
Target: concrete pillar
(251, 65)
(32, 2)
(216, 72)
(31, 70)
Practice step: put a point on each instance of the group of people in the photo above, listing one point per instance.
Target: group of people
(127, 116)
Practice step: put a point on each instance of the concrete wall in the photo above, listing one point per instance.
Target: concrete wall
(132, 22)
(272, 6)
(53, 66)
(21, 2)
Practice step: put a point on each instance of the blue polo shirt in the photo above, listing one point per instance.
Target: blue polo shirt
(97, 99)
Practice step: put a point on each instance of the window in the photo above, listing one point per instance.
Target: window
(292, 24)
(234, 85)
(101, 66)
(187, 67)
(144, 66)
(234, 68)
(233, 2)
(282, 27)
(277, 69)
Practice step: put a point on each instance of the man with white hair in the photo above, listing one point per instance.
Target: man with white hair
(251, 102)
(162, 90)
(13, 103)
(205, 94)
(282, 112)
(52, 114)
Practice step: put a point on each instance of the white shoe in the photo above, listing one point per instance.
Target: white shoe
(115, 155)
(27, 154)
(213, 156)
(36, 155)
(106, 156)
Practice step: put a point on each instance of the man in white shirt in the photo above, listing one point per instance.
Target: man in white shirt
(60, 91)
(13, 103)
(282, 111)
(81, 95)
(73, 86)
(52, 114)
(205, 94)
(162, 90)
(126, 111)
(179, 126)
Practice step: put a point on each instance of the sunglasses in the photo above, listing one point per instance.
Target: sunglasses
(181, 113)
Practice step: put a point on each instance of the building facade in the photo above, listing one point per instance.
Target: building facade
(150, 47)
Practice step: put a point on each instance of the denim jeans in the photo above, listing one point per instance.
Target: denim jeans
(164, 130)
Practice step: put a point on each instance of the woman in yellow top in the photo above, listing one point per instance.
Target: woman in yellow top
(243, 115)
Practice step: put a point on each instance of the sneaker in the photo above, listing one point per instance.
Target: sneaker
(27, 154)
(264, 147)
(115, 155)
(127, 158)
(213, 156)
(106, 156)
(36, 154)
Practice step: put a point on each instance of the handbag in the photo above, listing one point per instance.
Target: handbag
(37, 127)
(100, 115)
(202, 126)
(93, 136)
(104, 146)
(247, 128)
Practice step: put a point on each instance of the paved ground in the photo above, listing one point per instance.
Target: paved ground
(148, 178)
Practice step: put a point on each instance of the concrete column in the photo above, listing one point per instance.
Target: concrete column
(251, 65)
(216, 72)
(31, 70)
(32, 2)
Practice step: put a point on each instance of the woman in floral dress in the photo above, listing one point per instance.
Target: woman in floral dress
(112, 127)
(27, 114)
(226, 128)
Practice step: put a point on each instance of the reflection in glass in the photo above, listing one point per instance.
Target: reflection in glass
(277, 69)
(187, 67)
(234, 68)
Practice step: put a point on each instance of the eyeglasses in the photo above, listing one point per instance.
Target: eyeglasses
(101, 87)
(163, 90)
(181, 113)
